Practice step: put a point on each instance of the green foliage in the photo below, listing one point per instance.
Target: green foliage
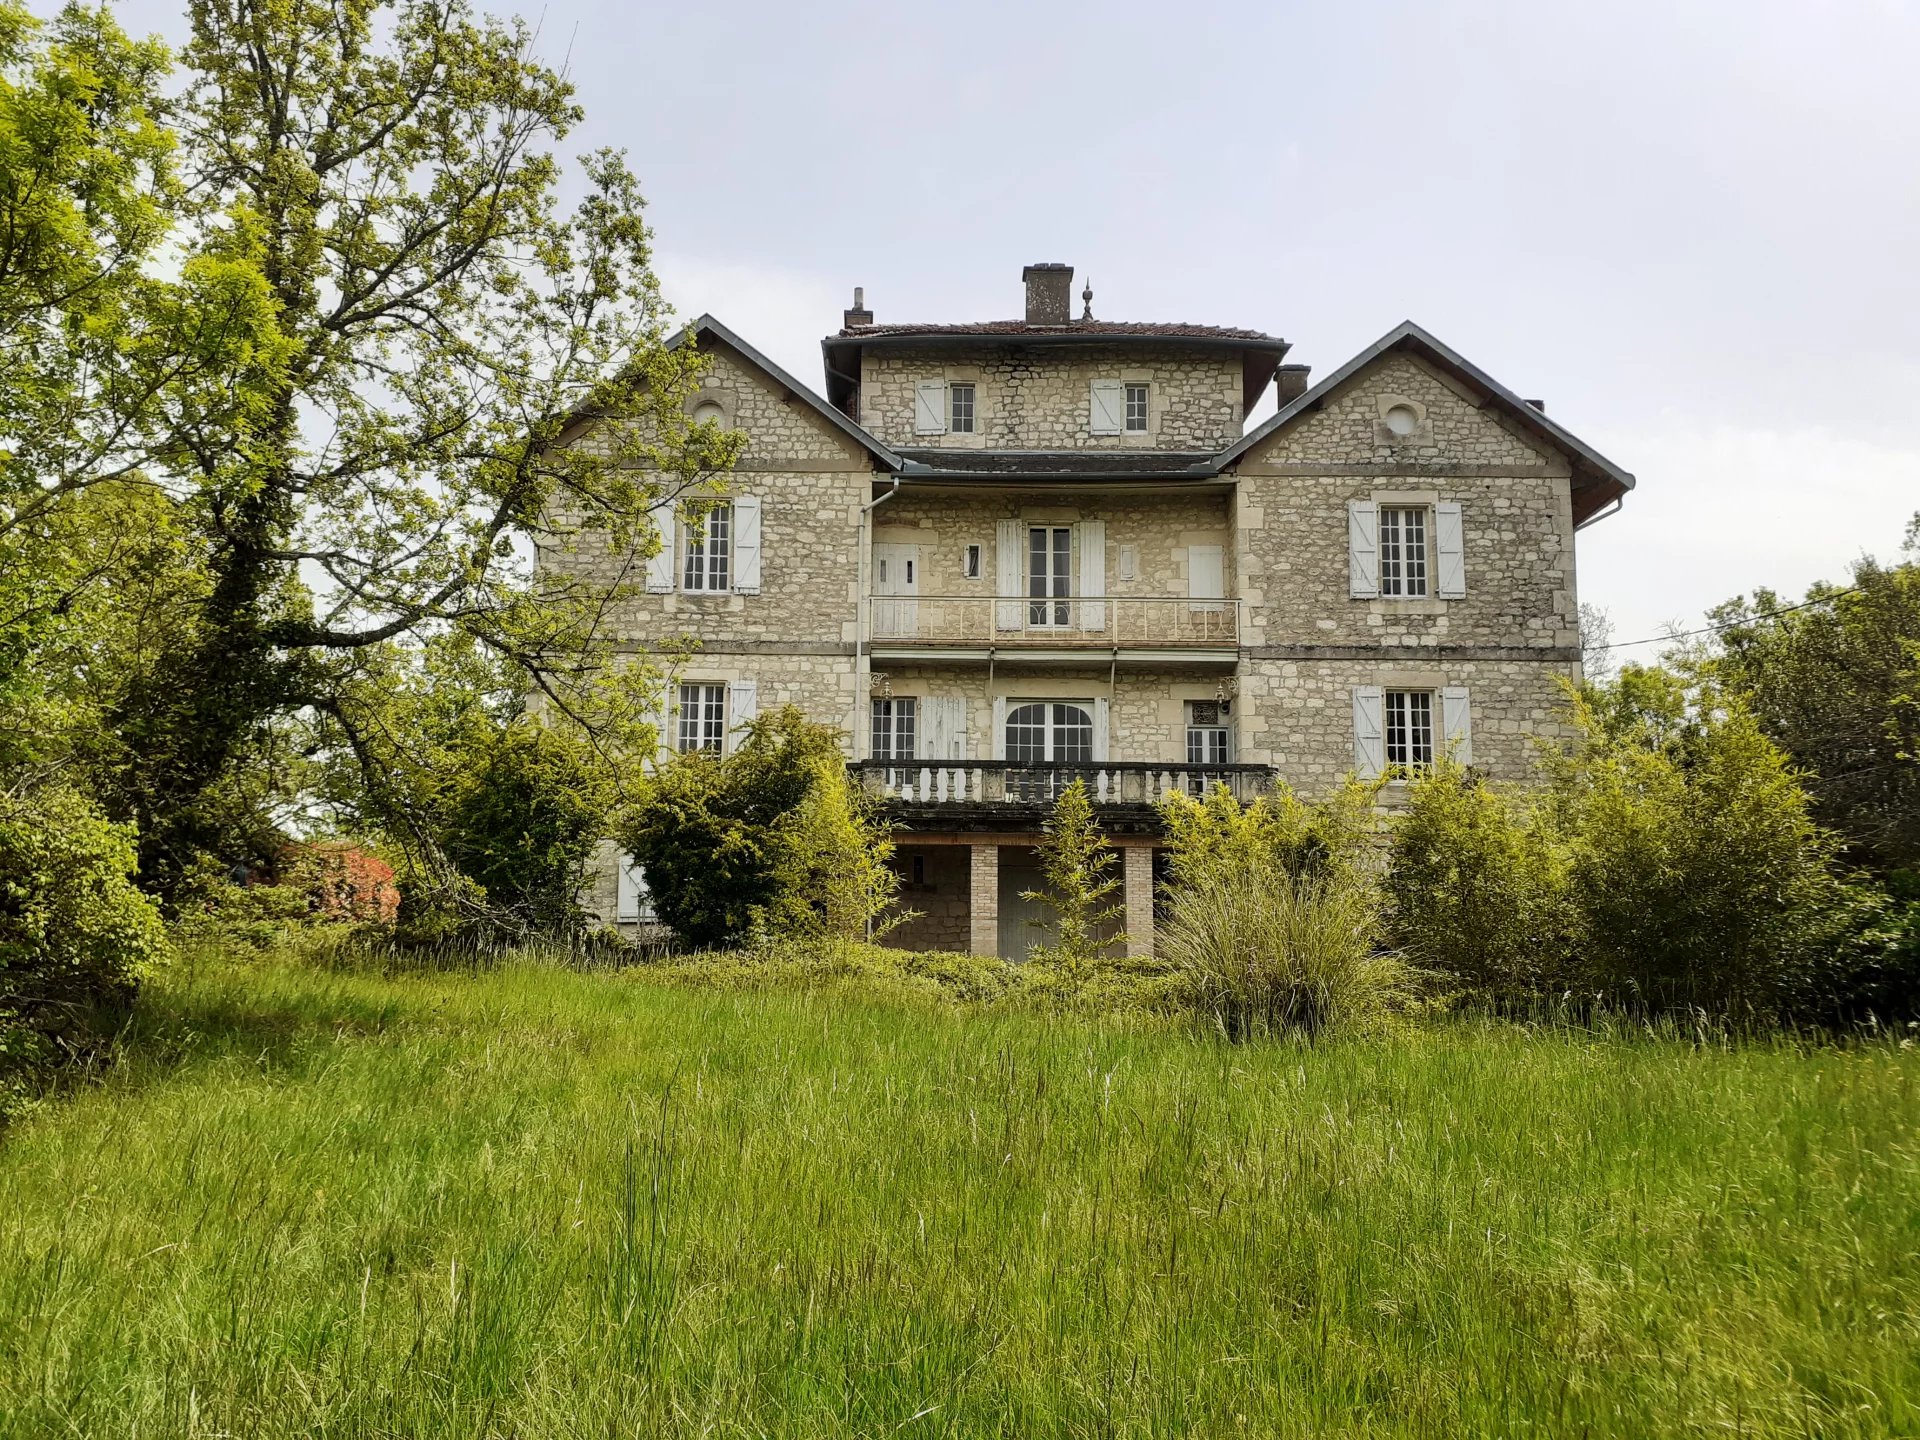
(76, 937)
(1077, 867)
(771, 840)
(1272, 917)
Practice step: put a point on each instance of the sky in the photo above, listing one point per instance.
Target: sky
(1693, 229)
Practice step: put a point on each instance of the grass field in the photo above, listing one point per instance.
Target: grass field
(543, 1203)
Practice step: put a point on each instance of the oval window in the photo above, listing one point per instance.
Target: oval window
(1401, 421)
(709, 412)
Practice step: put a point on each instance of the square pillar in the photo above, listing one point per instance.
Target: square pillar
(983, 900)
(1137, 879)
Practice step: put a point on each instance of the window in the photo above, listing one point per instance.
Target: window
(709, 548)
(1409, 731)
(1046, 733)
(960, 409)
(1209, 736)
(1403, 551)
(703, 717)
(1049, 575)
(1137, 409)
(893, 728)
(970, 567)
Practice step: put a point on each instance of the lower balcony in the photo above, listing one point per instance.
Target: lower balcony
(1005, 794)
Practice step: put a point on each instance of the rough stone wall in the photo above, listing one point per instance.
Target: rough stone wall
(1517, 521)
(1039, 397)
(1158, 527)
(941, 898)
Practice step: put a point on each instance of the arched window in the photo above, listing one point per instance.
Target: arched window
(1043, 731)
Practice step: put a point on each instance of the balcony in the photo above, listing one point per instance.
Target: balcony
(1162, 625)
(1002, 794)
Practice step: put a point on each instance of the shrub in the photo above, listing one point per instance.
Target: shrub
(1272, 917)
(1077, 869)
(772, 840)
(1477, 890)
(75, 935)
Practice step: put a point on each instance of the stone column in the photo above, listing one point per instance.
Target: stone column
(1138, 880)
(983, 900)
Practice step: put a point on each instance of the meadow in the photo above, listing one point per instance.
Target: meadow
(542, 1202)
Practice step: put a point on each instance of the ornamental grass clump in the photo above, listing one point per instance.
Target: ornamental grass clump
(1272, 919)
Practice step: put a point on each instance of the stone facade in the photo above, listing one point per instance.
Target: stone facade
(1032, 398)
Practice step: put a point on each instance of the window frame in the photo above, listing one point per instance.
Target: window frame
(1405, 564)
(1128, 390)
(896, 708)
(1050, 728)
(972, 389)
(702, 560)
(1053, 606)
(1418, 710)
(972, 562)
(707, 720)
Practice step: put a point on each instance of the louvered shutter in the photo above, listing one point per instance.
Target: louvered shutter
(1108, 413)
(1206, 575)
(1093, 574)
(743, 704)
(1369, 731)
(1101, 717)
(1000, 727)
(1450, 542)
(1010, 554)
(930, 408)
(746, 545)
(1456, 719)
(1363, 549)
(660, 563)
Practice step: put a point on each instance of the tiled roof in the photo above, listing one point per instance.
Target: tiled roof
(1090, 328)
(1067, 464)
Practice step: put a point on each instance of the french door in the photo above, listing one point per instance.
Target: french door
(1046, 732)
(1049, 576)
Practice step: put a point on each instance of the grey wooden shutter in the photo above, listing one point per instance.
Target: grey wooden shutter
(1101, 719)
(1450, 542)
(1010, 556)
(746, 545)
(1108, 411)
(943, 728)
(1206, 575)
(1456, 720)
(1363, 549)
(668, 741)
(999, 727)
(743, 704)
(660, 563)
(1093, 574)
(1369, 731)
(930, 408)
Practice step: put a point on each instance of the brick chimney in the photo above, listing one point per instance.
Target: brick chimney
(1049, 294)
(859, 315)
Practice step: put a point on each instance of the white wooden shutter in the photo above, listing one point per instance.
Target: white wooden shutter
(1101, 718)
(1369, 731)
(999, 727)
(660, 564)
(669, 694)
(1108, 413)
(1449, 540)
(746, 544)
(1363, 549)
(1456, 719)
(1093, 574)
(1010, 554)
(1206, 574)
(633, 902)
(930, 407)
(743, 704)
(943, 728)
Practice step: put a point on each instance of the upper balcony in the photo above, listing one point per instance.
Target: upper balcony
(1158, 628)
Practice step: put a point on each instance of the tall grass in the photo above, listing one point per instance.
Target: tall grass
(530, 1202)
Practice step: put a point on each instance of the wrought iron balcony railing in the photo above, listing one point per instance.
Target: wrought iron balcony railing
(1065, 622)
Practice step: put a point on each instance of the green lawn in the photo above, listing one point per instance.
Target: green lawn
(542, 1203)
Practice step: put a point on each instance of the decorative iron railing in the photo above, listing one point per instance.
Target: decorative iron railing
(1003, 782)
(1016, 620)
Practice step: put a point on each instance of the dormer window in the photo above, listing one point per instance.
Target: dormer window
(1136, 409)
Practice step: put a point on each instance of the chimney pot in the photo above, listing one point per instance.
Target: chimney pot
(1049, 293)
(859, 315)
(1290, 383)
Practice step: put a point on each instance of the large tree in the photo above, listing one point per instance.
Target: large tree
(378, 324)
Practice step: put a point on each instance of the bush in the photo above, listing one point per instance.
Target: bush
(772, 840)
(1477, 890)
(75, 935)
(1273, 919)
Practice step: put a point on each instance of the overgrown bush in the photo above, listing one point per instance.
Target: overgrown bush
(772, 840)
(1078, 885)
(1272, 919)
(76, 936)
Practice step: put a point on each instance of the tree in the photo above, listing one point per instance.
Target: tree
(1078, 883)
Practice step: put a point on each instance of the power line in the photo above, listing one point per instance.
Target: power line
(1730, 625)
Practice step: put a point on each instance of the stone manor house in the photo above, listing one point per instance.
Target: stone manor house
(1003, 554)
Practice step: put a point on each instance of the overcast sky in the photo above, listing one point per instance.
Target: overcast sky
(1693, 229)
